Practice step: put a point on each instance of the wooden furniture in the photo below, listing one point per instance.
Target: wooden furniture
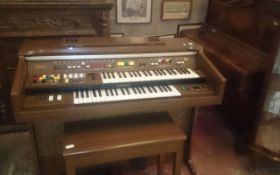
(85, 90)
(22, 19)
(239, 38)
(266, 136)
(44, 90)
(113, 139)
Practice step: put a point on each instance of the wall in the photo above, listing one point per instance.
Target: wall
(157, 26)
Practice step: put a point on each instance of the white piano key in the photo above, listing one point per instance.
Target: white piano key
(91, 97)
(193, 74)
(103, 96)
(80, 99)
(98, 97)
(84, 98)
(74, 97)
(130, 93)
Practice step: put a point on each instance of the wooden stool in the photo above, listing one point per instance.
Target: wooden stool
(115, 139)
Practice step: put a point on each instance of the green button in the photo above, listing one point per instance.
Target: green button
(126, 63)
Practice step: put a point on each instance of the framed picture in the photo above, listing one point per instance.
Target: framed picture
(116, 35)
(187, 27)
(134, 11)
(176, 9)
(164, 36)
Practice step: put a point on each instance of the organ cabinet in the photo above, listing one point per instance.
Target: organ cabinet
(109, 76)
(79, 78)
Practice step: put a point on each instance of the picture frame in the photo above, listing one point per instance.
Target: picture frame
(188, 27)
(176, 9)
(134, 11)
(116, 35)
(168, 36)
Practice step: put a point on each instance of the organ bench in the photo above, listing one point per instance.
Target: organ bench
(114, 139)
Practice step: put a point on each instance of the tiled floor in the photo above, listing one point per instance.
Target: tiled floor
(213, 152)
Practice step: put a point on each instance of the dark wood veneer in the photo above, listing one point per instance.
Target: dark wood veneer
(241, 39)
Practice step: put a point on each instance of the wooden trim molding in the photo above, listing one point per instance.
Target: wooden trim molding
(35, 19)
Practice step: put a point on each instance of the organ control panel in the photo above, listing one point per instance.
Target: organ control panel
(104, 76)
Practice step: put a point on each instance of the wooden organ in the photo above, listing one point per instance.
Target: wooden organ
(101, 76)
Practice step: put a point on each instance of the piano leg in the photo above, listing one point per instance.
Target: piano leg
(189, 143)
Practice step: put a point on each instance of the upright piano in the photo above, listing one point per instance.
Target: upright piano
(101, 76)
(241, 38)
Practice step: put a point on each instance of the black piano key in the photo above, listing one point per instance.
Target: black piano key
(87, 94)
(127, 91)
(135, 75)
(162, 72)
(164, 88)
(138, 73)
(173, 71)
(119, 74)
(124, 75)
(145, 73)
(116, 92)
(122, 91)
(184, 72)
(109, 75)
(94, 93)
(150, 73)
(130, 74)
(82, 94)
(168, 70)
(158, 71)
(107, 92)
(160, 88)
(134, 90)
(155, 72)
(168, 88)
(187, 70)
(143, 90)
(111, 92)
(99, 92)
(154, 89)
(149, 89)
(180, 71)
(104, 75)
(138, 90)
(77, 94)
(113, 75)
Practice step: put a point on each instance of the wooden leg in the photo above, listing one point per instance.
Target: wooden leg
(177, 163)
(189, 142)
(160, 164)
(191, 167)
(70, 170)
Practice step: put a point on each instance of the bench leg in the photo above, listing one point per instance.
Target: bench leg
(70, 170)
(160, 164)
(177, 163)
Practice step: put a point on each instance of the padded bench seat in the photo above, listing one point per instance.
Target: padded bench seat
(114, 139)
